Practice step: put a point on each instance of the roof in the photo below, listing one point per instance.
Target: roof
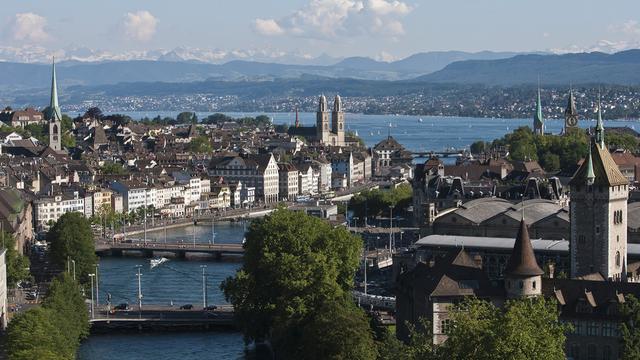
(388, 144)
(605, 169)
(523, 261)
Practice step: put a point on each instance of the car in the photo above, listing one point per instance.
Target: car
(211, 308)
(31, 296)
(186, 307)
(123, 306)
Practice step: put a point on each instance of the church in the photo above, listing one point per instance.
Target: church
(588, 298)
(325, 132)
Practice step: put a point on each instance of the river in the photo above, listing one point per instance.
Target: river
(180, 280)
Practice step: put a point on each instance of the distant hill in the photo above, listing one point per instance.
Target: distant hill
(170, 68)
(622, 68)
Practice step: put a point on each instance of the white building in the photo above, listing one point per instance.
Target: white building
(134, 194)
(254, 170)
(50, 208)
(3, 290)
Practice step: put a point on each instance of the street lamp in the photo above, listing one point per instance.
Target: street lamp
(139, 291)
(91, 276)
(74, 268)
(204, 287)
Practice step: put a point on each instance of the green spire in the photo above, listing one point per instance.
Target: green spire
(590, 174)
(54, 108)
(538, 121)
(599, 125)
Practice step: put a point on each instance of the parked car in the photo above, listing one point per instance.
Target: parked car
(123, 306)
(211, 308)
(186, 307)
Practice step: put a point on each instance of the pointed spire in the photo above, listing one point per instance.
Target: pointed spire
(591, 177)
(600, 125)
(571, 104)
(538, 121)
(54, 108)
(523, 261)
(297, 118)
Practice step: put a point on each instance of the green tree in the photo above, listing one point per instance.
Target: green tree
(419, 347)
(550, 162)
(72, 238)
(68, 309)
(111, 168)
(17, 264)
(187, 117)
(33, 335)
(630, 329)
(479, 147)
(339, 330)
(294, 264)
(200, 144)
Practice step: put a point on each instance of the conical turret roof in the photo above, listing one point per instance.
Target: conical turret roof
(523, 261)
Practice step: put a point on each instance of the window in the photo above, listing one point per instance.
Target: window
(609, 329)
(521, 284)
(606, 352)
(618, 258)
(575, 351)
(593, 328)
(445, 326)
(597, 229)
(533, 285)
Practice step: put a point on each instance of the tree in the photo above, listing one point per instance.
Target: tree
(17, 264)
(111, 168)
(478, 147)
(187, 117)
(33, 335)
(294, 264)
(69, 310)
(93, 113)
(630, 329)
(71, 238)
(200, 144)
(339, 330)
(526, 328)
(419, 347)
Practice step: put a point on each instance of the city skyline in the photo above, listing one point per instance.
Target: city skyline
(382, 29)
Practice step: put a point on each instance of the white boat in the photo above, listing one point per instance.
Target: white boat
(420, 120)
(157, 261)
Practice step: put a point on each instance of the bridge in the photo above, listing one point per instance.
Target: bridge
(153, 318)
(444, 153)
(179, 249)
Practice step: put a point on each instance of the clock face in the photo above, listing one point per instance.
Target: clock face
(572, 121)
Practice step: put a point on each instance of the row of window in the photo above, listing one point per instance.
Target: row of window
(617, 217)
(595, 328)
(591, 352)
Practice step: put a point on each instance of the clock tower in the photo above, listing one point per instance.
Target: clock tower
(570, 114)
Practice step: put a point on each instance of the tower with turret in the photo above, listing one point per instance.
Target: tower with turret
(570, 114)
(522, 275)
(322, 121)
(598, 213)
(53, 115)
(337, 121)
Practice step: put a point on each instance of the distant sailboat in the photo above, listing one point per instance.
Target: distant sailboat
(420, 120)
(356, 133)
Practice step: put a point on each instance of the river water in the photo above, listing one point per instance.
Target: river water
(180, 280)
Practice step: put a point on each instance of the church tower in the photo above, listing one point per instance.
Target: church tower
(570, 114)
(538, 121)
(53, 115)
(337, 120)
(322, 121)
(598, 213)
(522, 276)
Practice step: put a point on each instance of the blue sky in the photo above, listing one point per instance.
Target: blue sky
(384, 29)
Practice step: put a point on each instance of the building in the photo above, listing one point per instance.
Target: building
(134, 194)
(387, 154)
(326, 132)
(599, 193)
(538, 120)
(48, 209)
(259, 171)
(3, 291)
(22, 118)
(429, 283)
(54, 115)
(16, 217)
(570, 114)
(288, 175)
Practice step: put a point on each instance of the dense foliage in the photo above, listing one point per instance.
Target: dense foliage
(17, 264)
(523, 329)
(377, 202)
(71, 238)
(200, 144)
(296, 277)
(112, 168)
(54, 330)
(630, 329)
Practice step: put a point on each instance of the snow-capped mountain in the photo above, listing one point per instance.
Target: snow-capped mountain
(38, 54)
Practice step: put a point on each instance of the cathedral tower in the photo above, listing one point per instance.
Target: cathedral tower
(523, 276)
(53, 115)
(598, 213)
(322, 121)
(570, 114)
(337, 121)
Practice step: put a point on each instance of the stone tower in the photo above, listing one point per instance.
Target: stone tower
(337, 121)
(322, 121)
(598, 213)
(570, 114)
(53, 115)
(522, 276)
(538, 121)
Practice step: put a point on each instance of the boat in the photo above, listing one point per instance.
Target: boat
(420, 120)
(157, 261)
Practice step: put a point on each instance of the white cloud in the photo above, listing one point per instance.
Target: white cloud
(329, 19)
(267, 27)
(29, 27)
(140, 26)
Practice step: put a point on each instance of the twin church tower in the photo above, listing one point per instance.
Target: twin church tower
(330, 134)
(570, 115)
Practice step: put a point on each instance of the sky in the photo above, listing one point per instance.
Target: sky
(381, 29)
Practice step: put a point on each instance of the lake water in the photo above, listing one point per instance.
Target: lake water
(180, 281)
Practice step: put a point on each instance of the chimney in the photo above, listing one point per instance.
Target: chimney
(551, 267)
